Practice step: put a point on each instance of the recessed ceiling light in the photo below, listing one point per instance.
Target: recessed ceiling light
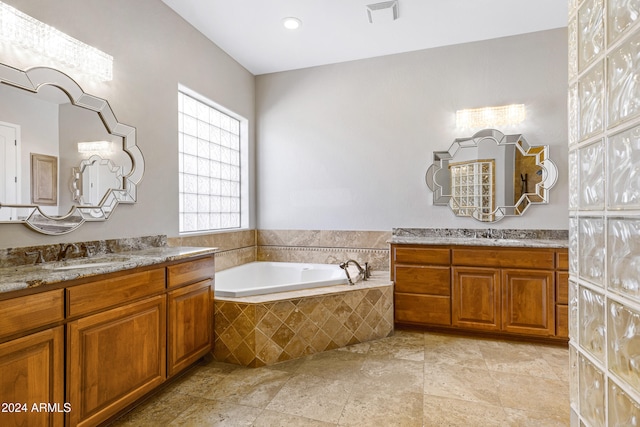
(291, 23)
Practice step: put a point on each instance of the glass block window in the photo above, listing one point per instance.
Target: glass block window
(209, 166)
(472, 189)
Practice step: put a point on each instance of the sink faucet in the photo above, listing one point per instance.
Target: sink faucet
(39, 256)
(363, 272)
(62, 254)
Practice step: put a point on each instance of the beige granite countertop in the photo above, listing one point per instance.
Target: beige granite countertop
(481, 241)
(31, 276)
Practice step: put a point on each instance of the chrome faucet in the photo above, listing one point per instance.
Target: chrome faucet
(363, 273)
(62, 254)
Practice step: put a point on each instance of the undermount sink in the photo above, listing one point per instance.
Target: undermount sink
(77, 264)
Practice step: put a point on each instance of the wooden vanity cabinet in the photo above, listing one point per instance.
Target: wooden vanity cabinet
(190, 316)
(32, 366)
(422, 293)
(117, 354)
(562, 295)
(476, 298)
(492, 289)
(94, 346)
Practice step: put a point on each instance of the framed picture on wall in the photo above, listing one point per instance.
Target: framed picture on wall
(44, 179)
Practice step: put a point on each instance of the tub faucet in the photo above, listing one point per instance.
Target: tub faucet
(363, 273)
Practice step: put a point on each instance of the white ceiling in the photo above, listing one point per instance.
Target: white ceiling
(335, 31)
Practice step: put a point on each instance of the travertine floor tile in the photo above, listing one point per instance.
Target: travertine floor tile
(442, 411)
(255, 387)
(534, 419)
(334, 364)
(215, 413)
(517, 359)
(460, 382)
(383, 407)
(410, 379)
(277, 419)
(312, 397)
(458, 351)
(392, 375)
(407, 345)
(160, 410)
(533, 394)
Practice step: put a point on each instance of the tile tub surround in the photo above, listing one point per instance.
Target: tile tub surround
(324, 246)
(234, 247)
(266, 329)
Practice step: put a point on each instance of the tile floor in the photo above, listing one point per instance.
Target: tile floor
(409, 379)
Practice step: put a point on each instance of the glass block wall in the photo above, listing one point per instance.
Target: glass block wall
(604, 204)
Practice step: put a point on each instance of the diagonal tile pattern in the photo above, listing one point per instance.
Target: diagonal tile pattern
(264, 333)
(411, 378)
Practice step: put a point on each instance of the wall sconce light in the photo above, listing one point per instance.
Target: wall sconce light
(490, 117)
(94, 147)
(22, 30)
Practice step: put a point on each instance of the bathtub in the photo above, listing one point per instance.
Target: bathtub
(259, 278)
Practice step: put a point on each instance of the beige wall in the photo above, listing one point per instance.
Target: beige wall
(340, 147)
(154, 50)
(346, 146)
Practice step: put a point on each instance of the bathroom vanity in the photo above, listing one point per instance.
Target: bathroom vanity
(92, 336)
(510, 287)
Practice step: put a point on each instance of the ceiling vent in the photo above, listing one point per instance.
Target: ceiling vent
(387, 11)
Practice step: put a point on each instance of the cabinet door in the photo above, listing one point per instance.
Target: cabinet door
(115, 357)
(528, 305)
(32, 372)
(475, 298)
(190, 325)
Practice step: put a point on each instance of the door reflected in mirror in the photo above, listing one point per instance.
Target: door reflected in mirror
(491, 175)
(94, 178)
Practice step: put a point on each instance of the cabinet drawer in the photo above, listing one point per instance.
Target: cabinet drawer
(562, 321)
(32, 311)
(562, 260)
(423, 280)
(499, 257)
(425, 309)
(190, 272)
(90, 297)
(413, 255)
(562, 287)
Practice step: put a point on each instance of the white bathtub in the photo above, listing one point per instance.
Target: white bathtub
(259, 278)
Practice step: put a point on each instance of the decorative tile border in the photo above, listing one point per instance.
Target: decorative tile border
(378, 259)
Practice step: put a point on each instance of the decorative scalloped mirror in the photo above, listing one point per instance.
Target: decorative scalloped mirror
(46, 113)
(491, 175)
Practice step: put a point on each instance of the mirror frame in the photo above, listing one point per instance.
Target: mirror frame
(32, 80)
(442, 158)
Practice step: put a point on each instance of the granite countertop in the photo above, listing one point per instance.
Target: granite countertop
(480, 241)
(31, 276)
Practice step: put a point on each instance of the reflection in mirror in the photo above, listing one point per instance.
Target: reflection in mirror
(491, 175)
(93, 179)
(44, 111)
